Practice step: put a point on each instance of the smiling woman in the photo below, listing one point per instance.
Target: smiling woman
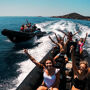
(81, 74)
(51, 75)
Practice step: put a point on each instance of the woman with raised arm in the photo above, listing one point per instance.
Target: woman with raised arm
(51, 75)
(60, 61)
(81, 43)
(69, 34)
(80, 74)
(61, 44)
(58, 38)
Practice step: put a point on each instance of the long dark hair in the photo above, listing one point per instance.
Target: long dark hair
(50, 60)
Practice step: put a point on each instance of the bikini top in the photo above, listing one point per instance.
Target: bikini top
(81, 45)
(80, 84)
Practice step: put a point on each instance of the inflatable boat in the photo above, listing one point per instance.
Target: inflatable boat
(17, 36)
(34, 79)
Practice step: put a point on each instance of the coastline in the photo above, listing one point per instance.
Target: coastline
(73, 16)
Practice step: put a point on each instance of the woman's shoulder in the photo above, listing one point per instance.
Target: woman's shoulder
(57, 70)
(89, 70)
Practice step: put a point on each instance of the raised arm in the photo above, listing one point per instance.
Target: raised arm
(85, 38)
(66, 59)
(76, 32)
(75, 69)
(58, 38)
(32, 59)
(53, 40)
(63, 37)
(62, 32)
(57, 56)
(65, 44)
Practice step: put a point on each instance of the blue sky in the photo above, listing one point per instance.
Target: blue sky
(43, 7)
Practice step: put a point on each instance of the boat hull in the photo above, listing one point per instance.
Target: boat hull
(35, 77)
(17, 37)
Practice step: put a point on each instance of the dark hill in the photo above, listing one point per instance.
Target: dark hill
(73, 16)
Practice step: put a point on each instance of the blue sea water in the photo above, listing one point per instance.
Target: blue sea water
(12, 59)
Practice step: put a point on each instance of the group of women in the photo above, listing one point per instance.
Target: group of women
(54, 70)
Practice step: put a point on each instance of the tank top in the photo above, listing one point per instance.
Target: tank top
(49, 80)
(60, 61)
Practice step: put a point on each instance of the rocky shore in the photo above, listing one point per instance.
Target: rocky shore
(73, 16)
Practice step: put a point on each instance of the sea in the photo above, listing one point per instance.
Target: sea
(14, 64)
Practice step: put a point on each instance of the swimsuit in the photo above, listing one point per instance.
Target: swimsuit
(49, 80)
(80, 84)
(81, 46)
(60, 61)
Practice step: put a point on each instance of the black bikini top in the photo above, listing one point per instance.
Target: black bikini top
(80, 84)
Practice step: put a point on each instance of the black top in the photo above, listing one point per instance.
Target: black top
(80, 84)
(60, 61)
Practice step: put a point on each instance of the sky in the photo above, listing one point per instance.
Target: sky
(43, 7)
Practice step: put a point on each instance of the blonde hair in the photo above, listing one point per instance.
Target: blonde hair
(84, 62)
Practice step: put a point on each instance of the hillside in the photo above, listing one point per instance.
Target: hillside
(73, 16)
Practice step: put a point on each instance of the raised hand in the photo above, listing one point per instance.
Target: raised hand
(86, 34)
(26, 51)
(54, 33)
(49, 37)
(79, 30)
(71, 48)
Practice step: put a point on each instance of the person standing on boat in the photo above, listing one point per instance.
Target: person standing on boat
(70, 42)
(34, 28)
(51, 75)
(69, 34)
(81, 43)
(29, 25)
(80, 74)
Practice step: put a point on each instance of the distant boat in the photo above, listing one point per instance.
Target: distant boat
(17, 36)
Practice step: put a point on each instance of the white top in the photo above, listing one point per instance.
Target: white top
(49, 80)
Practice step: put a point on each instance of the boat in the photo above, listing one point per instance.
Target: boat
(34, 79)
(18, 36)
